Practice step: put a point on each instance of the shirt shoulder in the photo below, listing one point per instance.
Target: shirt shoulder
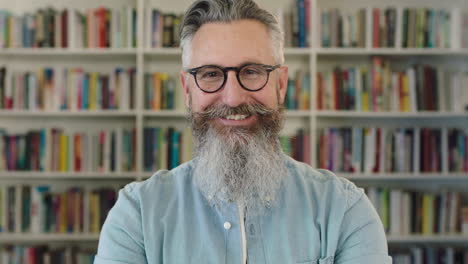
(324, 183)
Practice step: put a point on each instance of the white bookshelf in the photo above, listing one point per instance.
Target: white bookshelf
(168, 60)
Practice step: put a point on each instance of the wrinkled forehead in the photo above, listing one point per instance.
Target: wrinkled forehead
(231, 44)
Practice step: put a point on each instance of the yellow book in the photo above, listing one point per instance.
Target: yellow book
(428, 214)
(405, 106)
(164, 91)
(156, 104)
(365, 92)
(63, 213)
(94, 212)
(93, 78)
(63, 156)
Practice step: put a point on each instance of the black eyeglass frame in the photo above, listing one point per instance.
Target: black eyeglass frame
(225, 70)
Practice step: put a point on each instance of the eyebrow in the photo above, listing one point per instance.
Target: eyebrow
(238, 65)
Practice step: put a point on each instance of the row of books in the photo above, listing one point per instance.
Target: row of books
(343, 29)
(433, 255)
(381, 88)
(384, 27)
(45, 209)
(376, 150)
(162, 29)
(56, 149)
(426, 28)
(405, 212)
(19, 254)
(71, 89)
(295, 22)
(298, 91)
(160, 91)
(48, 27)
(297, 146)
(166, 148)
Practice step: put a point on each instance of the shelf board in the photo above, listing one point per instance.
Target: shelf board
(449, 238)
(178, 51)
(12, 175)
(90, 113)
(29, 237)
(406, 176)
(68, 51)
(164, 113)
(421, 114)
(392, 51)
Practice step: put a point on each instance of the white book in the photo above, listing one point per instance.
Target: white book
(452, 220)
(73, 33)
(412, 88)
(395, 211)
(8, 85)
(395, 105)
(406, 214)
(373, 195)
(455, 92)
(357, 149)
(441, 90)
(417, 255)
(129, 27)
(346, 29)
(400, 150)
(107, 150)
(149, 27)
(417, 147)
(370, 149)
(125, 90)
(123, 27)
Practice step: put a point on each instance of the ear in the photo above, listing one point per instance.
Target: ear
(185, 87)
(283, 82)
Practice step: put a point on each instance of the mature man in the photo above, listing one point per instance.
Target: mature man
(241, 200)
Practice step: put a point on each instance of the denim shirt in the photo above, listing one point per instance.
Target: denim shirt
(319, 219)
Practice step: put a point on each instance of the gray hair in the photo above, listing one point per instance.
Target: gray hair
(209, 11)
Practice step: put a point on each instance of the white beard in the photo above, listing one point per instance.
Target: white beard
(239, 165)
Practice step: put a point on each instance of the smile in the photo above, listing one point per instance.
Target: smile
(236, 117)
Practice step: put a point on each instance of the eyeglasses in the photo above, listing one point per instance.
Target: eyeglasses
(252, 77)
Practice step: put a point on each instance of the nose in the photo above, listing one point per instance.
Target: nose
(232, 93)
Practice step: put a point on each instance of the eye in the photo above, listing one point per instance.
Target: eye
(211, 74)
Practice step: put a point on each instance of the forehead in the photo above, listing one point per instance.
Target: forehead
(231, 44)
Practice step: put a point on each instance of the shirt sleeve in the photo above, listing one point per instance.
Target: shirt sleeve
(362, 238)
(121, 239)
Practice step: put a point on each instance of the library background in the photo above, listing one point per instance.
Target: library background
(90, 101)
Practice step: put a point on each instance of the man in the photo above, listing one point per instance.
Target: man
(241, 200)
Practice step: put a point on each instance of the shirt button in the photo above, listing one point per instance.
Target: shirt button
(227, 225)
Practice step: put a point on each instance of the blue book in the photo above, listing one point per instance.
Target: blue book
(85, 92)
(301, 19)
(289, 102)
(170, 93)
(175, 158)
(351, 88)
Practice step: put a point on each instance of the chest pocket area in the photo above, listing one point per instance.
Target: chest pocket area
(327, 260)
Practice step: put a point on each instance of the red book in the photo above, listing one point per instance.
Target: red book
(376, 27)
(100, 15)
(64, 22)
(78, 151)
(376, 168)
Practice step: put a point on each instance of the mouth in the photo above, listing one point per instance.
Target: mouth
(238, 120)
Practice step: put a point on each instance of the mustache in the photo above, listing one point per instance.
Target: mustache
(222, 110)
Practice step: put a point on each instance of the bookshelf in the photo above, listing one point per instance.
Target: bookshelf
(311, 59)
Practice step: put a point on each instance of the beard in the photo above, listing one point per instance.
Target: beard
(238, 164)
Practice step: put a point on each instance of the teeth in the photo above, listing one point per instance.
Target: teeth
(236, 117)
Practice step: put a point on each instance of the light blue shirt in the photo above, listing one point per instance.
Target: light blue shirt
(319, 219)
